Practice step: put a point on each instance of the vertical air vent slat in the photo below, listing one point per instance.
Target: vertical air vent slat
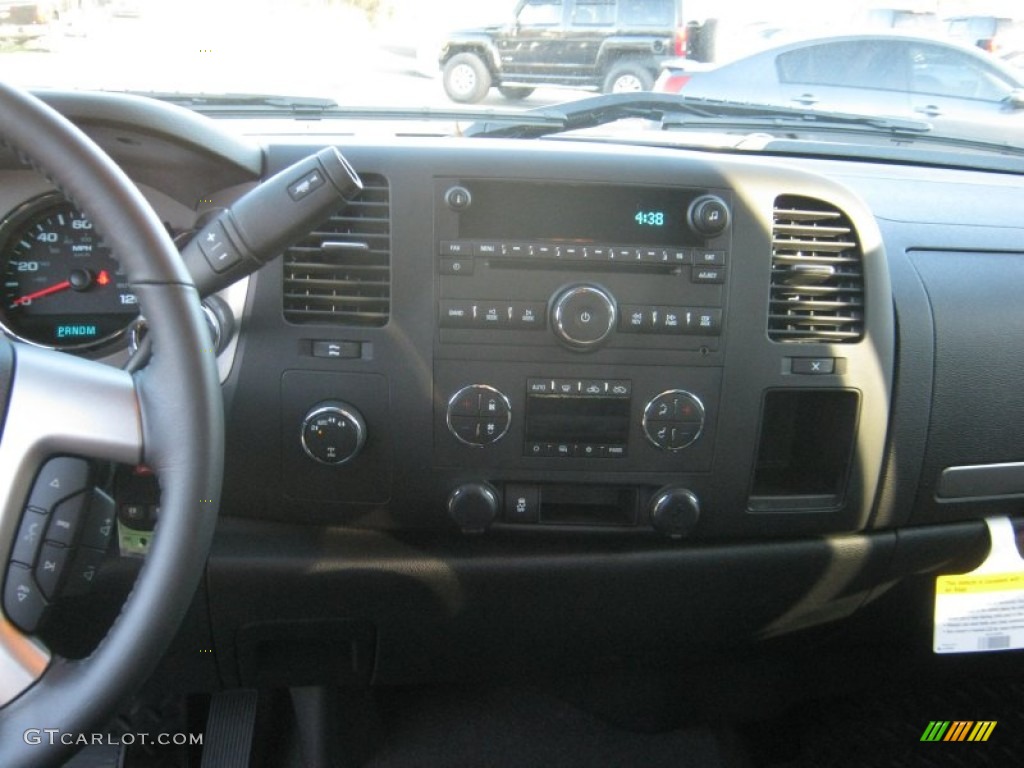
(817, 281)
(341, 272)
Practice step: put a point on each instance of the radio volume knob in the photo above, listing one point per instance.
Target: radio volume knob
(583, 316)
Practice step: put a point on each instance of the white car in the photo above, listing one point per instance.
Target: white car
(868, 74)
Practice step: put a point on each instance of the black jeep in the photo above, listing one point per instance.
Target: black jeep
(607, 45)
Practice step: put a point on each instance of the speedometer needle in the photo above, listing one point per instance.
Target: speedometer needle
(30, 297)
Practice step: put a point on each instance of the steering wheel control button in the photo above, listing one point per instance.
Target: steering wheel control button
(479, 415)
(30, 537)
(66, 520)
(333, 433)
(24, 603)
(58, 479)
(53, 561)
(522, 504)
(83, 571)
(473, 507)
(673, 420)
(583, 316)
(99, 521)
(708, 215)
(674, 512)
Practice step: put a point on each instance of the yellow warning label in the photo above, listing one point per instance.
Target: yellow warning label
(973, 583)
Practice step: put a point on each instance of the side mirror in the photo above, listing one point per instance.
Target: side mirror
(1016, 98)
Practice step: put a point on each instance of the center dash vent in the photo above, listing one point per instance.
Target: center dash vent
(817, 284)
(341, 272)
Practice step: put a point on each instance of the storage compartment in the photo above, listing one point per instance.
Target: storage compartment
(975, 441)
(587, 505)
(804, 451)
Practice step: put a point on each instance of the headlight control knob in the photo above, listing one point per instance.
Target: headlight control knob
(333, 433)
(583, 316)
(674, 511)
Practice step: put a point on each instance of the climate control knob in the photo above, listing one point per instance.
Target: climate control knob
(583, 316)
(473, 507)
(333, 433)
(673, 420)
(674, 511)
(479, 415)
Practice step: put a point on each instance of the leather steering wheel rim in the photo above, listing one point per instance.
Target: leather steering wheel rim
(178, 419)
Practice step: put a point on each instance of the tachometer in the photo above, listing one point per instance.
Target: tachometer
(61, 286)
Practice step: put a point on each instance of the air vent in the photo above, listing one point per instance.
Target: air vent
(817, 292)
(341, 272)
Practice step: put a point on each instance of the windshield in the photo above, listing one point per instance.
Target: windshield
(951, 64)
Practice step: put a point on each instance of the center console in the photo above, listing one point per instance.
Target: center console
(579, 332)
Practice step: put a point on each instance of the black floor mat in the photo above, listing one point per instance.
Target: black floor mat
(884, 727)
(515, 727)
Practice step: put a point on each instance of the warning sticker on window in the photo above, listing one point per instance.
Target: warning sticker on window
(983, 610)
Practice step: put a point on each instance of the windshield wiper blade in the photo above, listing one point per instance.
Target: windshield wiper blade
(671, 110)
(213, 102)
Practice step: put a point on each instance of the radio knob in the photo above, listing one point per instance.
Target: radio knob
(333, 433)
(708, 215)
(583, 316)
(674, 511)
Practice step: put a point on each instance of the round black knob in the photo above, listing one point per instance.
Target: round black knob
(674, 511)
(583, 316)
(458, 198)
(333, 433)
(473, 507)
(708, 215)
(220, 320)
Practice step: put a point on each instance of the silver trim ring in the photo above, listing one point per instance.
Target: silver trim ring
(346, 411)
(558, 317)
(700, 424)
(480, 387)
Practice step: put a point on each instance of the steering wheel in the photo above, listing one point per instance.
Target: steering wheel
(168, 416)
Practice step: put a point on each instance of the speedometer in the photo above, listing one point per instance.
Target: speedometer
(61, 286)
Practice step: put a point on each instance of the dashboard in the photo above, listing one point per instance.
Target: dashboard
(633, 399)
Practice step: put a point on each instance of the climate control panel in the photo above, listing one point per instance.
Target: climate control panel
(660, 420)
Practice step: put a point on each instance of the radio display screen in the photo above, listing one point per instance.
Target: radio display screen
(579, 213)
(560, 419)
